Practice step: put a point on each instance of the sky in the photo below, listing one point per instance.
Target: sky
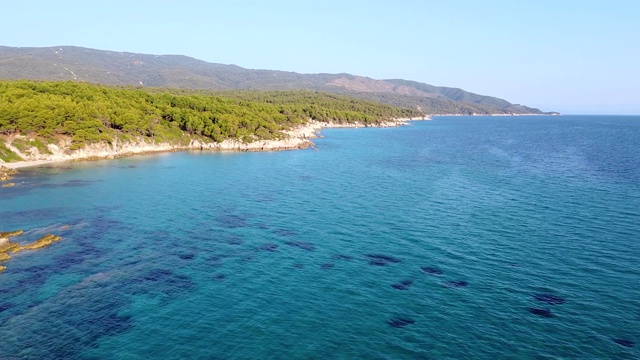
(577, 57)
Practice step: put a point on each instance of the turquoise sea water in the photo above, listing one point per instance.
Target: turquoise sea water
(461, 237)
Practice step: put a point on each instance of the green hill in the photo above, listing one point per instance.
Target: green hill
(182, 72)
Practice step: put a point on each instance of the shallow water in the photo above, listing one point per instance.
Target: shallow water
(295, 254)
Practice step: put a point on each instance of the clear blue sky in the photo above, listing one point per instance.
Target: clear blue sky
(571, 56)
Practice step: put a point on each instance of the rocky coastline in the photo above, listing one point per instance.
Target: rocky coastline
(297, 138)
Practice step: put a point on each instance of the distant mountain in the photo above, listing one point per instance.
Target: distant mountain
(176, 71)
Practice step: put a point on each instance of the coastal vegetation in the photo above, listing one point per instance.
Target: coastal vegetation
(92, 113)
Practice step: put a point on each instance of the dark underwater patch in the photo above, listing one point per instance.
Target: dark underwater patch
(402, 285)
(400, 322)
(82, 313)
(5, 306)
(549, 299)
(625, 342)
(327, 266)
(541, 312)
(88, 252)
(342, 257)
(219, 277)
(189, 256)
(102, 224)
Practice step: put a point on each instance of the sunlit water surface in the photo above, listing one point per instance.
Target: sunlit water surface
(504, 237)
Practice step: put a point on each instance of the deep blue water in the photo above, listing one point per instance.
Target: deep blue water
(425, 241)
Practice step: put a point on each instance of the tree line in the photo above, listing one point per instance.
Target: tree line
(97, 113)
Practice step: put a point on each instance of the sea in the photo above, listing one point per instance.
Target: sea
(455, 238)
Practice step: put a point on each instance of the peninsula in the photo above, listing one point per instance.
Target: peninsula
(42, 122)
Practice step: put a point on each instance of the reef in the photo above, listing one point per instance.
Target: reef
(38, 244)
(7, 245)
(5, 173)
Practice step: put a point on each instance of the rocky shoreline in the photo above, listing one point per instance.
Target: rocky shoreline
(297, 138)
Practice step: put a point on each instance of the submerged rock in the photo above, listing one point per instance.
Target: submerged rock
(38, 244)
(5, 235)
(400, 322)
(541, 312)
(549, 299)
(625, 342)
(6, 245)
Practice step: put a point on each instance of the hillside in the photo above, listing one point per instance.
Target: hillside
(175, 71)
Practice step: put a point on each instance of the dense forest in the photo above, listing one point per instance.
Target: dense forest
(92, 113)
